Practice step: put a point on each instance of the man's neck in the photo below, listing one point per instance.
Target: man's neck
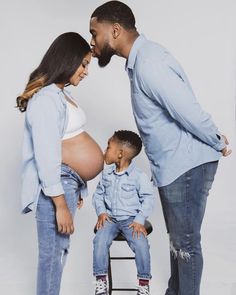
(124, 49)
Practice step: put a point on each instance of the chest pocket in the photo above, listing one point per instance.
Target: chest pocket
(128, 190)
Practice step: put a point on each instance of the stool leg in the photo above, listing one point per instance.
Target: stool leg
(109, 273)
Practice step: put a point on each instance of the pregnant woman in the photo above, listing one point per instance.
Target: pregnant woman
(58, 155)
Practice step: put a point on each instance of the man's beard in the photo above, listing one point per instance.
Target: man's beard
(106, 54)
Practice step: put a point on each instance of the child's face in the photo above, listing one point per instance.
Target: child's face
(112, 152)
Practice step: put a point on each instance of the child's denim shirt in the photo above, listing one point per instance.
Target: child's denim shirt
(124, 195)
(45, 122)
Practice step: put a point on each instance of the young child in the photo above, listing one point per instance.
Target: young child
(123, 200)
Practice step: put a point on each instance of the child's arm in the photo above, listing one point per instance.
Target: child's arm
(145, 192)
(99, 204)
(146, 197)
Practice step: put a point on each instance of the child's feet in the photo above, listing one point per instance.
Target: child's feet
(101, 287)
(143, 290)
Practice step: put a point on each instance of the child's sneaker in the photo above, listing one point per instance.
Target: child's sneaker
(143, 290)
(101, 287)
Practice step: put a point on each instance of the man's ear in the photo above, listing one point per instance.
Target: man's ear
(116, 30)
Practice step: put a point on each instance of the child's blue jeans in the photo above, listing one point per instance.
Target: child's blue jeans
(103, 241)
(53, 246)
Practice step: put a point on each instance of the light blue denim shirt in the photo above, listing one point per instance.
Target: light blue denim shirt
(45, 122)
(124, 195)
(177, 134)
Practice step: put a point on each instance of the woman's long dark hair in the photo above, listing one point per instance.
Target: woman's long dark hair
(58, 65)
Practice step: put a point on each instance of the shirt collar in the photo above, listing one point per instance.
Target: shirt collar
(53, 87)
(127, 171)
(133, 52)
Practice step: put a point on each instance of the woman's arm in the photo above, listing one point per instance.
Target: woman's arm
(44, 120)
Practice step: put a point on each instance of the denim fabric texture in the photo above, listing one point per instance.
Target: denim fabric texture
(183, 204)
(45, 122)
(54, 246)
(124, 195)
(103, 241)
(177, 133)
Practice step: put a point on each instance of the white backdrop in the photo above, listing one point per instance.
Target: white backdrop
(200, 34)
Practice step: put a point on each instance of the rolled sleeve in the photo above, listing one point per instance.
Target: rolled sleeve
(53, 190)
(140, 219)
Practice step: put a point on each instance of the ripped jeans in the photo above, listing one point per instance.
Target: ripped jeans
(183, 203)
(53, 246)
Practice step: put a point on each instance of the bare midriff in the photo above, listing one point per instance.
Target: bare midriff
(83, 155)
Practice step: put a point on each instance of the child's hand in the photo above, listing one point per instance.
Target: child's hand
(102, 219)
(138, 229)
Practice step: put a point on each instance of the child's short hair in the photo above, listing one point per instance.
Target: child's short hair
(129, 139)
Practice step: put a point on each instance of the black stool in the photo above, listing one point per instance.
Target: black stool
(120, 237)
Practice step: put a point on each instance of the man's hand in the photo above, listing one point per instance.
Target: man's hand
(225, 152)
(63, 216)
(138, 229)
(102, 219)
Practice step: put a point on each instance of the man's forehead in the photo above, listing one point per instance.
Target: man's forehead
(95, 25)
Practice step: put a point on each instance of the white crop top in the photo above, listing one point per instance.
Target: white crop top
(76, 120)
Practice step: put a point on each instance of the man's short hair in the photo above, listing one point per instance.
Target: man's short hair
(115, 12)
(130, 139)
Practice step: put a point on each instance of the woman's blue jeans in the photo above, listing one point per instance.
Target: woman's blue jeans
(53, 246)
(183, 203)
(103, 241)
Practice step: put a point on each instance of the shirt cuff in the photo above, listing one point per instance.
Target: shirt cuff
(139, 219)
(101, 211)
(53, 190)
(220, 145)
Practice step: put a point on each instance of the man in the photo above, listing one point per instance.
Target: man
(181, 141)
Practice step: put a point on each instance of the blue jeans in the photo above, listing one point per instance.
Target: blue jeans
(103, 241)
(53, 246)
(183, 203)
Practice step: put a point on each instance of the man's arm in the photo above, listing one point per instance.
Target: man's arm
(163, 83)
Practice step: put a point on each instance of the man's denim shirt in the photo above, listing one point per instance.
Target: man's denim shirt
(45, 122)
(177, 134)
(124, 195)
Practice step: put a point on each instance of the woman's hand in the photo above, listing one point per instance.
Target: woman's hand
(102, 219)
(63, 216)
(138, 229)
(80, 203)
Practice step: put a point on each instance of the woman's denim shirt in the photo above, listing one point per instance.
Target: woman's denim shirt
(45, 122)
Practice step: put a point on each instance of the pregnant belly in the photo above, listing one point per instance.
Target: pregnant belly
(84, 155)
